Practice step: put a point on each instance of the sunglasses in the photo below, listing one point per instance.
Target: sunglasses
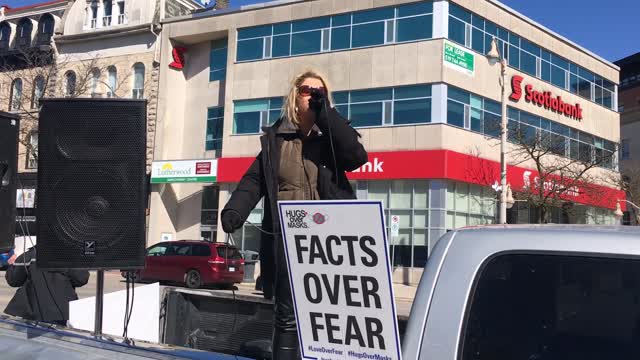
(306, 90)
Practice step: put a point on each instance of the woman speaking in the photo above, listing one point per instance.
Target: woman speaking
(304, 156)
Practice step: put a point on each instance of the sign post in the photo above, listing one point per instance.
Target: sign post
(337, 255)
(395, 232)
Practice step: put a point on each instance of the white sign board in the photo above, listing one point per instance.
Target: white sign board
(180, 171)
(340, 279)
(395, 225)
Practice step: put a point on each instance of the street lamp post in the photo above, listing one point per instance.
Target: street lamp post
(494, 57)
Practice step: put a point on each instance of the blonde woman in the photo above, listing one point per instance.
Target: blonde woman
(304, 157)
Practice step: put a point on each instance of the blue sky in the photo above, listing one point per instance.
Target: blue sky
(607, 28)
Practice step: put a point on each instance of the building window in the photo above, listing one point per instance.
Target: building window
(25, 28)
(38, 91)
(122, 18)
(625, 153)
(70, 84)
(95, 81)
(46, 25)
(381, 26)
(5, 35)
(215, 123)
(386, 106)
(218, 60)
(249, 116)
(551, 304)
(32, 151)
(209, 213)
(113, 81)
(15, 100)
(410, 201)
(247, 238)
(138, 81)
(481, 115)
(469, 205)
(108, 12)
(475, 32)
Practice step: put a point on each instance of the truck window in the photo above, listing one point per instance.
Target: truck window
(554, 307)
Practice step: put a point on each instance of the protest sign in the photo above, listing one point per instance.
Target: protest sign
(340, 276)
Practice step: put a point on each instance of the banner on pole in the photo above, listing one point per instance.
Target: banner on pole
(337, 254)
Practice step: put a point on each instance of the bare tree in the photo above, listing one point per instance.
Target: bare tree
(564, 172)
(43, 74)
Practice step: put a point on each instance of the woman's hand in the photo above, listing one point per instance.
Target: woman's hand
(231, 221)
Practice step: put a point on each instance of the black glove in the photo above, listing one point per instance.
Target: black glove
(231, 221)
(319, 103)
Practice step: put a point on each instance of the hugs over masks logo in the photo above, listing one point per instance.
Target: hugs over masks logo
(303, 219)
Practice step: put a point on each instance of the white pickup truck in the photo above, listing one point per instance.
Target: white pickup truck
(529, 293)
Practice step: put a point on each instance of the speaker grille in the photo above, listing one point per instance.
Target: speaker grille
(91, 184)
(9, 126)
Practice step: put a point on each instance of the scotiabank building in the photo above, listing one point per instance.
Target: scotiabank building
(415, 80)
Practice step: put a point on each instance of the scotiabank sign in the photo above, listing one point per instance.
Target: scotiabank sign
(544, 99)
(450, 165)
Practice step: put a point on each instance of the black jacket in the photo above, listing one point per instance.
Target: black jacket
(261, 180)
(43, 295)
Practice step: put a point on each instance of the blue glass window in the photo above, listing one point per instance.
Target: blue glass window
(411, 92)
(339, 20)
(584, 88)
(414, 28)
(457, 31)
(371, 95)
(455, 113)
(477, 41)
(340, 38)
(514, 57)
(493, 106)
(411, 111)
(373, 15)
(492, 124)
(252, 32)
(215, 122)
(558, 77)
(341, 97)
(459, 12)
(528, 63)
(282, 28)
(366, 114)
(311, 24)
(458, 94)
(476, 120)
(246, 123)
(546, 71)
(418, 8)
(305, 43)
(368, 34)
(280, 45)
(250, 49)
(218, 60)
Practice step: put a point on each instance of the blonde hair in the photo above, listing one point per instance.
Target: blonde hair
(289, 109)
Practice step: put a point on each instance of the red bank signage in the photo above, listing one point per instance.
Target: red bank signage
(544, 99)
(451, 165)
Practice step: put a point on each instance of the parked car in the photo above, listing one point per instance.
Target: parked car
(529, 292)
(4, 259)
(193, 263)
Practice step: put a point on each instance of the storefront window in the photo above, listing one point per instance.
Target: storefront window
(469, 205)
(209, 213)
(408, 199)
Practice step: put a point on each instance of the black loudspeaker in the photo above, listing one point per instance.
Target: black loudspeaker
(91, 184)
(9, 129)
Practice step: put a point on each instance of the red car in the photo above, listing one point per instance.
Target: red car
(194, 263)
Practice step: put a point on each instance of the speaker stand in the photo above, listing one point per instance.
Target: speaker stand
(99, 300)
